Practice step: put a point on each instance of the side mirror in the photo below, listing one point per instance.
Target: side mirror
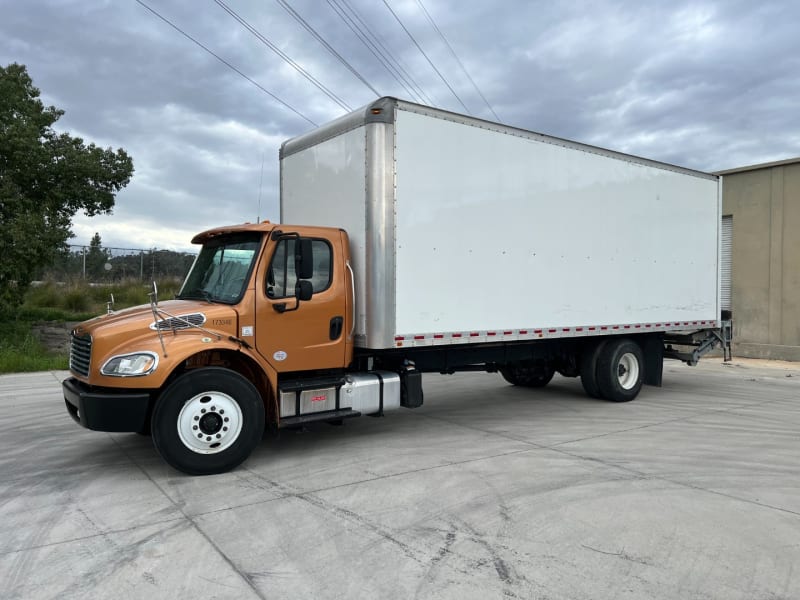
(304, 258)
(153, 294)
(303, 290)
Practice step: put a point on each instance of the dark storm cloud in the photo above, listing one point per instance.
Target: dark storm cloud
(708, 85)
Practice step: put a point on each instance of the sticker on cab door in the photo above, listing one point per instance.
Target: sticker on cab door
(279, 355)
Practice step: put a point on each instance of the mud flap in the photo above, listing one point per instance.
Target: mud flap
(411, 389)
(653, 349)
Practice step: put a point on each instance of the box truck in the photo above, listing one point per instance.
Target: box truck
(412, 240)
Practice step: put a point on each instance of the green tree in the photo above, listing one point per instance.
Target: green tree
(96, 259)
(46, 177)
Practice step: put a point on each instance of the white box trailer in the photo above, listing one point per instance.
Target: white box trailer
(465, 231)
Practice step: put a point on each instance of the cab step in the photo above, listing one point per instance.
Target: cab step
(328, 415)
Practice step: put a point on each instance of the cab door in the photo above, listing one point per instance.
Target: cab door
(306, 335)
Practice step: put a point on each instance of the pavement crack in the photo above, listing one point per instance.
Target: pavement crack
(189, 519)
(621, 554)
(89, 537)
(654, 477)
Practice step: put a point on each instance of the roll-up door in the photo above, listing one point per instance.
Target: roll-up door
(725, 262)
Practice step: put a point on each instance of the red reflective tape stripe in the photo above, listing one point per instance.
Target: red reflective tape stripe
(399, 338)
(615, 327)
(592, 328)
(603, 328)
(579, 329)
(419, 337)
(437, 336)
(491, 333)
(565, 329)
(474, 334)
(551, 331)
(507, 332)
(456, 335)
(523, 332)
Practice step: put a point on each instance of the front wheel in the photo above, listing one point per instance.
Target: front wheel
(620, 370)
(208, 421)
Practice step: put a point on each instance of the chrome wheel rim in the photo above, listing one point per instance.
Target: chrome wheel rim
(209, 423)
(628, 371)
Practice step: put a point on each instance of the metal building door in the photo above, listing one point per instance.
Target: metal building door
(726, 251)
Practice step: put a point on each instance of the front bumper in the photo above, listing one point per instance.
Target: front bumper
(105, 409)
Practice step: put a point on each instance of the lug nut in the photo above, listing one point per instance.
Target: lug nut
(218, 436)
(208, 439)
(202, 410)
(196, 418)
(195, 427)
(227, 419)
(213, 408)
(224, 429)
(222, 412)
(200, 435)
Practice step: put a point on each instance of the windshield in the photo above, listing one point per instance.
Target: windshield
(222, 269)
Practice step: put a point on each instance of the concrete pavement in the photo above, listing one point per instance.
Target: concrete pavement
(487, 491)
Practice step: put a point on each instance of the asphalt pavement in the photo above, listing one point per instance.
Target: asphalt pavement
(692, 491)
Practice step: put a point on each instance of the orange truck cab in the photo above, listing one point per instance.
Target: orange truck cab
(260, 303)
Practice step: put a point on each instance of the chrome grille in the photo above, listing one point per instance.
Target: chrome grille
(179, 322)
(80, 354)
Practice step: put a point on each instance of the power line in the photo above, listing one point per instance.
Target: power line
(391, 57)
(327, 46)
(458, 60)
(372, 46)
(348, 20)
(284, 56)
(430, 62)
(227, 64)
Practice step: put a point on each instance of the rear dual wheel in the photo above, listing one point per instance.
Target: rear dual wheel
(613, 369)
(528, 376)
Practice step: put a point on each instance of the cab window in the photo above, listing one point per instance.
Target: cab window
(281, 275)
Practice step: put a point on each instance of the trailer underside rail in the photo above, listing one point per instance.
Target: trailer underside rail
(693, 346)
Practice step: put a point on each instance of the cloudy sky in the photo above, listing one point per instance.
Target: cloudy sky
(708, 85)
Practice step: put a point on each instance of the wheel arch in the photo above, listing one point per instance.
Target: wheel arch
(237, 359)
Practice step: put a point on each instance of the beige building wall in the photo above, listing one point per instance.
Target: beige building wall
(764, 201)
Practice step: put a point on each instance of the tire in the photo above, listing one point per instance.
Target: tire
(620, 370)
(588, 369)
(208, 421)
(527, 377)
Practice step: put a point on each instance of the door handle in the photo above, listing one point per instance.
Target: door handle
(336, 327)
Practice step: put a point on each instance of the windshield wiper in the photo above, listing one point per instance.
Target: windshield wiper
(197, 294)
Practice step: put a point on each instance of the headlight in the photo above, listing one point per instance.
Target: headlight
(131, 365)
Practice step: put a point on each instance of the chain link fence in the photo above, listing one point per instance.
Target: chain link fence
(108, 265)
